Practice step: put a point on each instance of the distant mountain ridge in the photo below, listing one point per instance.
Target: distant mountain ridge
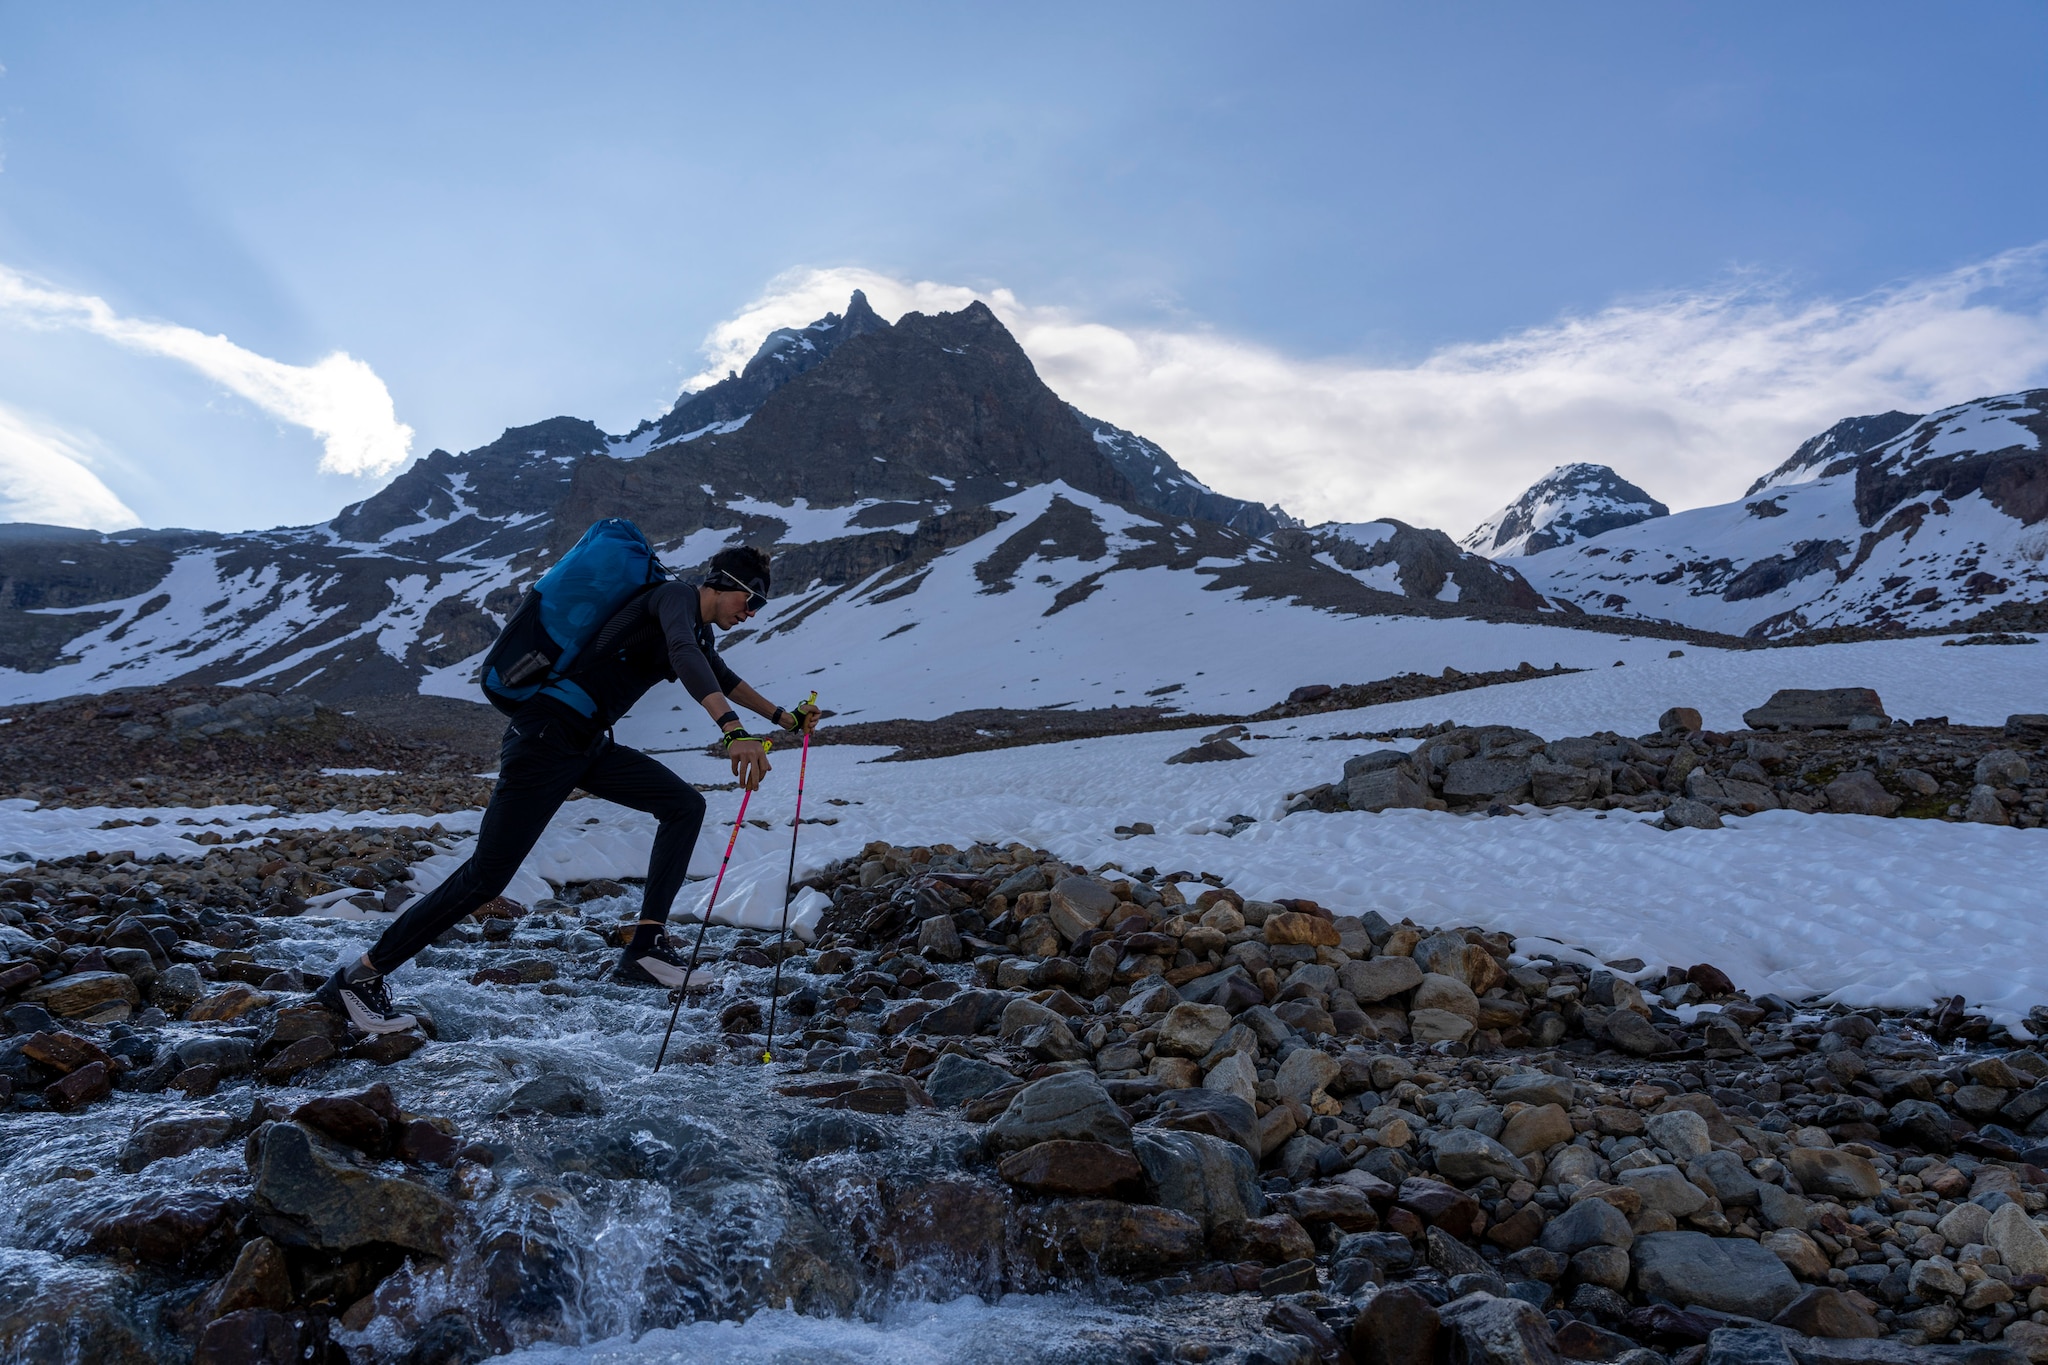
(1571, 502)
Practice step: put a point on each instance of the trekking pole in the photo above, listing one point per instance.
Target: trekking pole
(702, 929)
(788, 890)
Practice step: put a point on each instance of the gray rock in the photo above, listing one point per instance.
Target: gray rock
(1681, 1133)
(1305, 1073)
(1497, 1331)
(1505, 779)
(232, 1055)
(2002, 768)
(967, 1013)
(1728, 1273)
(1830, 708)
(1468, 1156)
(1860, 793)
(1393, 788)
(1749, 1346)
(1588, 1223)
(1733, 1185)
(1022, 1014)
(1379, 978)
(1212, 1181)
(1213, 751)
(1214, 1112)
(1554, 783)
(1379, 760)
(1665, 1189)
(956, 1079)
(938, 938)
(1984, 807)
(1071, 1105)
(1633, 1034)
(1729, 793)
(1686, 813)
(1783, 1209)
(1534, 1087)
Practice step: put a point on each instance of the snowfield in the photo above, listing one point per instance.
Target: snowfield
(1868, 911)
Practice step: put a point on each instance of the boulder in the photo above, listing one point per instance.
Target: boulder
(1679, 720)
(1504, 779)
(1486, 1330)
(2018, 1240)
(1537, 1129)
(1078, 905)
(964, 1014)
(1212, 1181)
(1291, 928)
(1984, 808)
(1209, 1111)
(310, 1191)
(1665, 1189)
(1075, 1168)
(1305, 1074)
(1398, 1326)
(2002, 768)
(1191, 1030)
(1686, 813)
(1725, 1273)
(1379, 978)
(1397, 787)
(1276, 1239)
(1438, 1026)
(1447, 993)
(1535, 1088)
(1469, 1156)
(86, 995)
(1588, 1223)
(1090, 1236)
(1860, 793)
(175, 1134)
(1235, 1075)
(1824, 1311)
(1829, 1170)
(1070, 1105)
(1209, 751)
(1681, 1133)
(1830, 708)
(955, 1080)
(556, 1093)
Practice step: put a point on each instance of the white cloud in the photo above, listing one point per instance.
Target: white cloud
(43, 477)
(1689, 395)
(339, 399)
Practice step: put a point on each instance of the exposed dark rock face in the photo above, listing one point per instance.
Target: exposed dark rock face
(787, 353)
(1836, 450)
(1425, 561)
(1165, 487)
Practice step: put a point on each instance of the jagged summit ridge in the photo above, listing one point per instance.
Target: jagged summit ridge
(1572, 502)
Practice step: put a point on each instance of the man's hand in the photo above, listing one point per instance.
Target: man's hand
(807, 714)
(749, 762)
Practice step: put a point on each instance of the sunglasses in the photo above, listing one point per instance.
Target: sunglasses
(756, 598)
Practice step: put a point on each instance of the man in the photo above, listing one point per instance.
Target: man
(551, 749)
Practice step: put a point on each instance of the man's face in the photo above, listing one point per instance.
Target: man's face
(729, 609)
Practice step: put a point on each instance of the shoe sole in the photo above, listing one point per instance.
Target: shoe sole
(364, 1020)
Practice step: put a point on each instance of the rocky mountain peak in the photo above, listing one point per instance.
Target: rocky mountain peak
(1836, 450)
(1572, 502)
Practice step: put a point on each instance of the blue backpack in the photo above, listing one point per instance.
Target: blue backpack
(553, 629)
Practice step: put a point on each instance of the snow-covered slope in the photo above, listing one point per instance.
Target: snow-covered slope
(1937, 519)
(1571, 502)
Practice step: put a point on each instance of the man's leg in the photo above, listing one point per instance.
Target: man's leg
(534, 778)
(634, 780)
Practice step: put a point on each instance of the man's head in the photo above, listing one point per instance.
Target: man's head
(736, 586)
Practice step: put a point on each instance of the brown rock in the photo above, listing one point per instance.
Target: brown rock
(259, 1278)
(1292, 927)
(307, 1052)
(952, 1218)
(84, 995)
(232, 1003)
(197, 1082)
(1065, 1167)
(1518, 1230)
(1273, 1239)
(1829, 1170)
(345, 1120)
(253, 1336)
(1616, 1121)
(1711, 980)
(82, 1087)
(166, 1229)
(1824, 1311)
(1537, 1129)
(1346, 1207)
(1440, 1205)
(65, 1052)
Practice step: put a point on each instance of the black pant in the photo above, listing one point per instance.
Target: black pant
(539, 764)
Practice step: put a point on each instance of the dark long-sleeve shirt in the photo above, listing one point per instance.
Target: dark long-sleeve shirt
(655, 637)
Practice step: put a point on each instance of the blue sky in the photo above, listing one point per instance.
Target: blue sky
(1317, 251)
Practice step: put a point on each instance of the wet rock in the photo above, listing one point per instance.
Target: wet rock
(1071, 1105)
(1724, 1273)
(955, 1080)
(253, 1336)
(1828, 1170)
(964, 1014)
(1091, 1236)
(232, 1003)
(1486, 1330)
(311, 1192)
(1274, 1238)
(1748, 1346)
(259, 1278)
(1831, 708)
(1092, 1169)
(300, 1056)
(383, 1049)
(1347, 1208)
(958, 1221)
(1205, 1177)
(557, 1094)
(87, 1085)
(63, 1053)
(1468, 1156)
(1398, 1327)
(87, 995)
(179, 1227)
(58, 1314)
(173, 1135)
(363, 1121)
(1825, 1311)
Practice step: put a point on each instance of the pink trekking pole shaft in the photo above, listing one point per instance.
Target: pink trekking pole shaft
(702, 929)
